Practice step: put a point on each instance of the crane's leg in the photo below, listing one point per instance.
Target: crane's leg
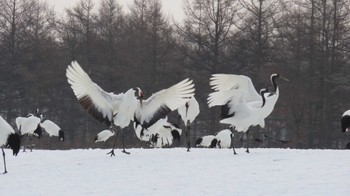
(124, 151)
(114, 128)
(232, 129)
(247, 142)
(24, 142)
(233, 144)
(115, 141)
(188, 136)
(3, 155)
(234, 151)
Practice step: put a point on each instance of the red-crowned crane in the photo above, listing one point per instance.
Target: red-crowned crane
(117, 110)
(8, 138)
(162, 133)
(237, 111)
(345, 121)
(104, 135)
(188, 113)
(208, 141)
(52, 129)
(229, 82)
(224, 138)
(29, 126)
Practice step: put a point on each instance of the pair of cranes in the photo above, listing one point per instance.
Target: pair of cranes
(242, 106)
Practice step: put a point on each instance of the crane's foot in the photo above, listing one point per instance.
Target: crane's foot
(124, 151)
(111, 152)
(247, 150)
(5, 172)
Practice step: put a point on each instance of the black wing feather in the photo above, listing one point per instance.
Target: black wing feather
(225, 111)
(88, 105)
(160, 113)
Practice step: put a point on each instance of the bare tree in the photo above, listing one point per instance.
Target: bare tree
(110, 23)
(206, 30)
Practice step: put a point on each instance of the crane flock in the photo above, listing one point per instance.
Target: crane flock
(242, 107)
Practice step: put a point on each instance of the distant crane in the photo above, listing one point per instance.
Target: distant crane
(224, 138)
(208, 141)
(104, 135)
(30, 126)
(345, 121)
(162, 133)
(52, 129)
(188, 113)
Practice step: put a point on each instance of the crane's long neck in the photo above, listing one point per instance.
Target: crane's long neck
(274, 84)
(263, 98)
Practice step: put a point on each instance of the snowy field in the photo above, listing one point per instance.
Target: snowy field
(176, 172)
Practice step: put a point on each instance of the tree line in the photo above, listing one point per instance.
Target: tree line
(306, 41)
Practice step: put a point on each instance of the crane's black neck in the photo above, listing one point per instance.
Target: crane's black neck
(273, 81)
(262, 93)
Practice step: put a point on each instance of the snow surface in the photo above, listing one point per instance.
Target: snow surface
(177, 172)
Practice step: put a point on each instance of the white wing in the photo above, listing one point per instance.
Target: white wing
(94, 99)
(29, 125)
(19, 122)
(189, 111)
(220, 98)
(164, 101)
(224, 82)
(50, 127)
(5, 130)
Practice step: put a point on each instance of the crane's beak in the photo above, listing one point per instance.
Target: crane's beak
(284, 78)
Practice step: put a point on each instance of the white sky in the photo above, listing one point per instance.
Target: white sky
(171, 8)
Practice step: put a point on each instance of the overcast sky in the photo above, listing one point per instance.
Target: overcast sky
(171, 8)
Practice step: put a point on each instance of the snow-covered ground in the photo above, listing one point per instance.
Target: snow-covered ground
(177, 172)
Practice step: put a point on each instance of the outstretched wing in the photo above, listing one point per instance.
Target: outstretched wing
(224, 82)
(164, 101)
(19, 122)
(232, 102)
(92, 98)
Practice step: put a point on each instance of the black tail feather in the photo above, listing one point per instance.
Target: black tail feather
(61, 135)
(14, 142)
(176, 135)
